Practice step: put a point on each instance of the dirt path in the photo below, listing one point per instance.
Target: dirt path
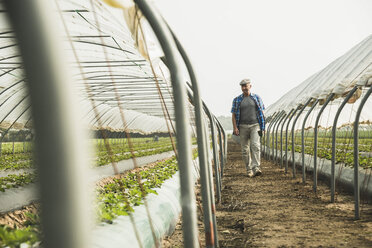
(275, 210)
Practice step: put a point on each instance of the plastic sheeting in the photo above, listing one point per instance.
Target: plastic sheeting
(339, 77)
(346, 117)
(113, 78)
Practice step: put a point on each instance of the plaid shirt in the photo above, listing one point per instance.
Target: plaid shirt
(261, 107)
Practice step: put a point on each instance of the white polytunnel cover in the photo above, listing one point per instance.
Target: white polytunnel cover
(113, 78)
(354, 68)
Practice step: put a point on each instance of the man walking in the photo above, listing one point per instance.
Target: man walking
(249, 123)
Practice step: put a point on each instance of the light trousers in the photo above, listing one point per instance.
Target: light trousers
(250, 144)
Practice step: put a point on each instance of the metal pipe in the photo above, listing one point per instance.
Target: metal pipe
(265, 148)
(272, 128)
(225, 144)
(275, 130)
(272, 117)
(61, 166)
(264, 138)
(215, 157)
(293, 138)
(210, 175)
(221, 152)
(267, 141)
(303, 140)
(225, 136)
(183, 139)
(276, 138)
(356, 154)
(13, 108)
(286, 139)
(281, 137)
(211, 239)
(206, 184)
(222, 147)
(334, 128)
(273, 134)
(316, 141)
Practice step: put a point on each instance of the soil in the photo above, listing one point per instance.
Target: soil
(19, 217)
(276, 210)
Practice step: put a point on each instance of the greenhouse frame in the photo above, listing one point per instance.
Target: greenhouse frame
(104, 135)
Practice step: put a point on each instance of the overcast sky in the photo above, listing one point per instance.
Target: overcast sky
(275, 43)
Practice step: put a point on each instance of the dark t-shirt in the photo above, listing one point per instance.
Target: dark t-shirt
(248, 111)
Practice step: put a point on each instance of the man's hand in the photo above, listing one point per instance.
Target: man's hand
(260, 133)
(236, 131)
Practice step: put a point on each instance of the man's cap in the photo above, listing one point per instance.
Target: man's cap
(245, 81)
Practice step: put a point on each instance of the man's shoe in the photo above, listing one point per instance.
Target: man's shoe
(258, 172)
(250, 173)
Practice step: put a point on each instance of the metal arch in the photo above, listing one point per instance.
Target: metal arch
(222, 146)
(271, 119)
(224, 143)
(272, 135)
(210, 172)
(293, 141)
(272, 126)
(356, 154)
(222, 163)
(281, 137)
(206, 185)
(303, 140)
(334, 128)
(183, 140)
(221, 151)
(275, 130)
(275, 122)
(286, 139)
(267, 135)
(271, 123)
(63, 212)
(264, 137)
(11, 86)
(215, 156)
(276, 138)
(7, 99)
(14, 107)
(315, 171)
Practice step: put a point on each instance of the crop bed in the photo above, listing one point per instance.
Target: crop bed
(344, 149)
(10, 161)
(115, 197)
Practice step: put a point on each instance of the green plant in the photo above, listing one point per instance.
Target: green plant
(15, 181)
(119, 197)
(14, 237)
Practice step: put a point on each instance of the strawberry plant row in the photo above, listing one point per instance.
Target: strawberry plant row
(15, 181)
(111, 198)
(114, 199)
(24, 160)
(341, 156)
